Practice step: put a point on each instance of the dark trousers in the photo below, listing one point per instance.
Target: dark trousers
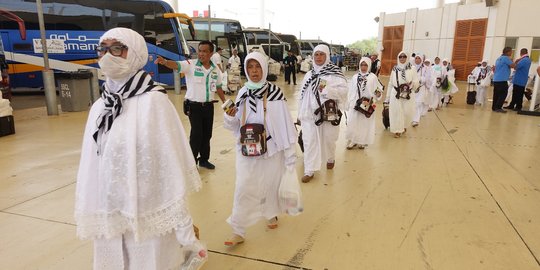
(201, 118)
(288, 72)
(500, 91)
(517, 97)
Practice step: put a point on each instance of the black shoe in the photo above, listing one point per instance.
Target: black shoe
(500, 111)
(206, 164)
(508, 107)
(516, 109)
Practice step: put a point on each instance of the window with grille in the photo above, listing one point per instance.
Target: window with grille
(535, 50)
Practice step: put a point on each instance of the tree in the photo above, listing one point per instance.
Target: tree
(365, 46)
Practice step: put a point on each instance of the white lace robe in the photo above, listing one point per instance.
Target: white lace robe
(131, 198)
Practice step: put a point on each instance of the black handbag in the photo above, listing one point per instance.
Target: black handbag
(365, 110)
(253, 135)
(403, 90)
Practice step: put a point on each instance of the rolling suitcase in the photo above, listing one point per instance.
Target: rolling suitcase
(471, 97)
(471, 94)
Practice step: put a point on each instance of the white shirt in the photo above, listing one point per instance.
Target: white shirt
(201, 83)
(234, 61)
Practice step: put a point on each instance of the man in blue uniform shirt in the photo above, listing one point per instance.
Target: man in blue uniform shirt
(500, 79)
(521, 77)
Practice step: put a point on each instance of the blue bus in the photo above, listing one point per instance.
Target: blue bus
(73, 28)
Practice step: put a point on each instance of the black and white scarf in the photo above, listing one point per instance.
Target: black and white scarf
(251, 95)
(483, 73)
(401, 72)
(361, 83)
(139, 84)
(314, 80)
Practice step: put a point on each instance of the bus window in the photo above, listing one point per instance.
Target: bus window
(251, 39)
(79, 25)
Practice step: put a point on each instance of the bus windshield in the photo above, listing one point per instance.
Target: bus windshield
(226, 34)
(74, 26)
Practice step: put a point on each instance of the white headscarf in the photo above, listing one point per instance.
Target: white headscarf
(399, 64)
(367, 60)
(421, 62)
(137, 54)
(321, 48)
(262, 59)
(445, 60)
(428, 60)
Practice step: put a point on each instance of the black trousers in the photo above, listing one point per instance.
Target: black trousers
(517, 97)
(201, 118)
(288, 72)
(500, 91)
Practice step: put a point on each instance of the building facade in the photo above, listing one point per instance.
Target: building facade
(465, 33)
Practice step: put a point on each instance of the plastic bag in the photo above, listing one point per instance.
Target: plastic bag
(290, 195)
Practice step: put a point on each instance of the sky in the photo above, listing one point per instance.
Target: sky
(336, 21)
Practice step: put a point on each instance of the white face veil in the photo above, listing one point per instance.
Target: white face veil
(321, 48)
(137, 55)
(366, 60)
(262, 59)
(399, 64)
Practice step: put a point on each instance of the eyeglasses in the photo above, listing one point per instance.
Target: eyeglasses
(402, 56)
(115, 50)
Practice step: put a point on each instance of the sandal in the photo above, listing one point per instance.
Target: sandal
(234, 240)
(306, 178)
(272, 223)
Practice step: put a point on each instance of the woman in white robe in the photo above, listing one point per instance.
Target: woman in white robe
(452, 86)
(364, 84)
(258, 177)
(136, 167)
(482, 76)
(436, 95)
(422, 96)
(401, 109)
(325, 81)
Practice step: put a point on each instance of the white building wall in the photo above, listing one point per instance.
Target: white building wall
(448, 30)
(523, 19)
(472, 11)
(394, 19)
(428, 32)
(410, 27)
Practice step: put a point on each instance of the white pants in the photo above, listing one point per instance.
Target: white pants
(421, 110)
(480, 94)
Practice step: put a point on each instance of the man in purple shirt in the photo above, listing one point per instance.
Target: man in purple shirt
(521, 77)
